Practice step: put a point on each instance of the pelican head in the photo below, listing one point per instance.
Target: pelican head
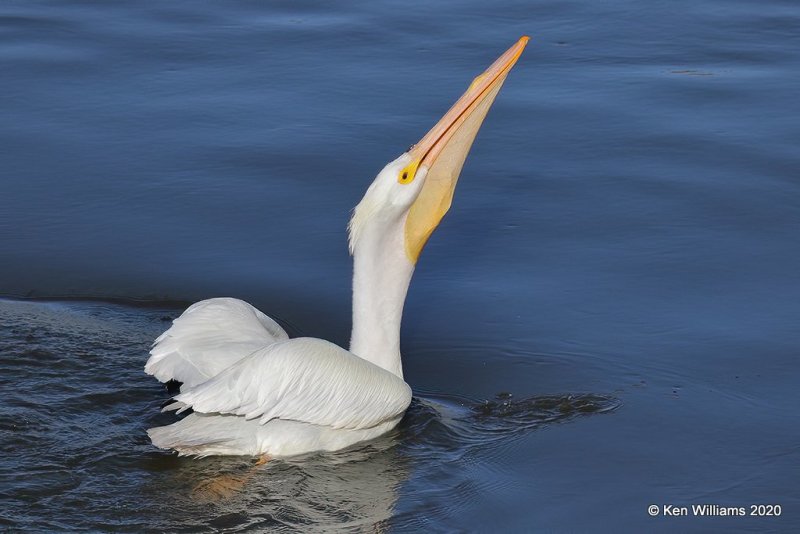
(400, 210)
(416, 189)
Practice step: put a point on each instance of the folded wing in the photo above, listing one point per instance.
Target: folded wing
(208, 337)
(303, 379)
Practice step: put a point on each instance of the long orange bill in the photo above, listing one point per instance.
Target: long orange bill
(444, 149)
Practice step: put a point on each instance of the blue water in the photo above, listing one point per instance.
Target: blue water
(625, 227)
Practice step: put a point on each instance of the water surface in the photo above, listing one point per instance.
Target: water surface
(625, 228)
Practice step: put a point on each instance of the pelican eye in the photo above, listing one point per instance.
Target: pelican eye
(406, 176)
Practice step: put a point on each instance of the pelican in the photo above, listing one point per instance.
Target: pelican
(255, 392)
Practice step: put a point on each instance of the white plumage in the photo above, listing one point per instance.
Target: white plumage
(210, 336)
(303, 379)
(253, 390)
(289, 397)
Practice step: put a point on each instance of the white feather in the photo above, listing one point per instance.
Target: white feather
(307, 380)
(382, 198)
(362, 213)
(201, 434)
(208, 337)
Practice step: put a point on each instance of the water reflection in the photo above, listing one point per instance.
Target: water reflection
(359, 487)
(351, 489)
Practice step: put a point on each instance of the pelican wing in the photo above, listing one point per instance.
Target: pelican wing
(303, 379)
(208, 337)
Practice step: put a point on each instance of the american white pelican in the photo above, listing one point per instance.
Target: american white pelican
(254, 391)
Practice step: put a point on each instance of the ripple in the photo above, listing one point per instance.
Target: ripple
(76, 404)
(455, 422)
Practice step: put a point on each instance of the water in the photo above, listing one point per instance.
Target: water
(625, 228)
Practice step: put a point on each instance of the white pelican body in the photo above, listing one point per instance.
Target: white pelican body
(253, 390)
